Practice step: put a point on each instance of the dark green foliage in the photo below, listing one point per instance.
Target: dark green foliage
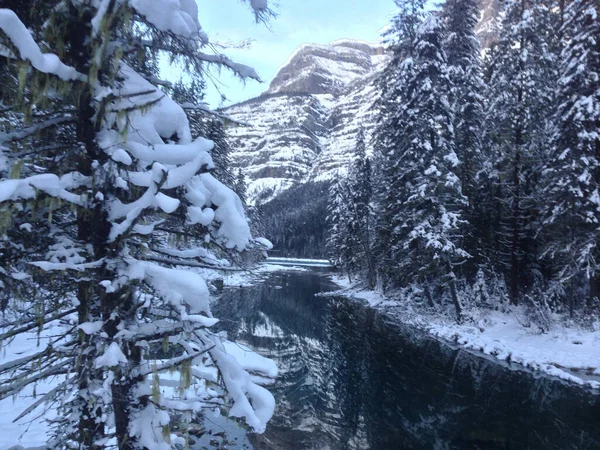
(518, 124)
(295, 221)
(341, 229)
(350, 218)
(488, 171)
(463, 52)
(571, 211)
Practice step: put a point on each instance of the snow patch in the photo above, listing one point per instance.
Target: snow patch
(113, 356)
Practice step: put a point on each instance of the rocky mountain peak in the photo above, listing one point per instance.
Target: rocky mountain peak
(303, 128)
(325, 69)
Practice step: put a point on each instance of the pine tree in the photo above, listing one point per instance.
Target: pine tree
(404, 28)
(428, 227)
(215, 131)
(340, 226)
(571, 184)
(520, 92)
(100, 162)
(463, 51)
(239, 186)
(360, 189)
(391, 107)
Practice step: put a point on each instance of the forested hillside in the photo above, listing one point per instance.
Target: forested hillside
(295, 221)
(485, 164)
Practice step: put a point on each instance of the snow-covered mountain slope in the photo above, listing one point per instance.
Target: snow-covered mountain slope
(282, 142)
(304, 127)
(488, 27)
(325, 69)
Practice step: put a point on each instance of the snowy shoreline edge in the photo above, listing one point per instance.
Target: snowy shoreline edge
(568, 354)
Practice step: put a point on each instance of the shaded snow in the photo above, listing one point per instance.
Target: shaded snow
(26, 432)
(112, 356)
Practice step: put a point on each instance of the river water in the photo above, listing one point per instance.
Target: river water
(349, 379)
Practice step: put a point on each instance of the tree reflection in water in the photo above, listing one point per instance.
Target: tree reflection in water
(351, 380)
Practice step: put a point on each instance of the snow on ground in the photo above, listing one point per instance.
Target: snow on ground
(568, 353)
(241, 278)
(298, 262)
(31, 430)
(571, 354)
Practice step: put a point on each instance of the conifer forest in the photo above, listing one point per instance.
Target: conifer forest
(448, 176)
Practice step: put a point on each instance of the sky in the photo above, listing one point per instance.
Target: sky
(297, 22)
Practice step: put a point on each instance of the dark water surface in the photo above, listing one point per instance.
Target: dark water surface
(351, 380)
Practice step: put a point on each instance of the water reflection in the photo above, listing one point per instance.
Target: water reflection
(349, 380)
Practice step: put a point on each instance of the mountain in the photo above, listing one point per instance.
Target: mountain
(488, 27)
(300, 133)
(303, 127)
(325, 69)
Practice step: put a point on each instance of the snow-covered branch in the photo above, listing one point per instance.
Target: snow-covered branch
(21, 38)
(33, 129)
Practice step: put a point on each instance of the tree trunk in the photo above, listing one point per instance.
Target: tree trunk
(94, 229)
(117, 308)
(571, 300)
(516, 212)
(594, 293)
(456, 301)
(90, 428)
(428, 296)
(514, 249)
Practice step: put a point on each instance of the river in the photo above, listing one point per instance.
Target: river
(349, 379)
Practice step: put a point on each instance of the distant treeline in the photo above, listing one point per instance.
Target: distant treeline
(295, 221)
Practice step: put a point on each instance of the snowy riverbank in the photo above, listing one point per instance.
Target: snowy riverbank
(567, 352)
(249, 277)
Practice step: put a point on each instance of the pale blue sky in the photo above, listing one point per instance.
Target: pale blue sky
(298, 22)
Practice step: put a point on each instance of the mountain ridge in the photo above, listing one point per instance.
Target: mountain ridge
(303, 127)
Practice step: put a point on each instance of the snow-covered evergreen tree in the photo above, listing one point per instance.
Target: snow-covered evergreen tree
(349, 218)
(428, 227)
(340, 236)
(518, 131)
(571, 206)
(239, 185)
(215, 131)
(463, 51)
(421, 222)
(360, 193)
(85, 226)
(391, 105)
